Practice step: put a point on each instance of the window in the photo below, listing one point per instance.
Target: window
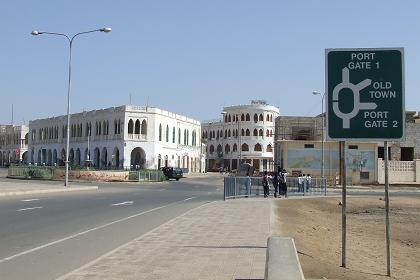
(269, 149)
(160, 132)
(179, 136)
(261, 119)
(227, 148)
(245, 147)
(242, 117)
(130, 126)
(257, 148)
(229, 119)
(353, 147)
(211, 149)
(137, 127)
(268, 118)
(255, 118)
(235, 148)
(167, 133)
(248, 118)
(308, 146)
(255, 132)
(144, 127)
(261, 133)
(173, 135)
(247, 132)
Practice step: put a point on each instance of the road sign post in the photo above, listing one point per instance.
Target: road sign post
(365, 101)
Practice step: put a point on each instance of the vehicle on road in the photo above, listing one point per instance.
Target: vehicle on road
(172, 173)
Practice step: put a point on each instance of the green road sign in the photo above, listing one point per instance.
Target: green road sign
(365, 94)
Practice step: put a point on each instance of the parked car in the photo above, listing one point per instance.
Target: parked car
(172, 173)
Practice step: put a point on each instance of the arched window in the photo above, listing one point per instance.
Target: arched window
(229, 133)
(268, 118)
(255, 118)
(218, 135)
(267, 133)
(160, 132)
(245, 147)
(257, 147)
(167, 133)
(271, 133)
(235, 148)
(226, 118)
(219, 150)
(233, 118)
(242, 117)
(229, 119)
(261, 119)
(115, 127)
(173, 135)
(248, 118)
(261, 133)
(188, 137)
(144, 127)
(247, 132)
(211, 149)
(271, 118)
(255, 132)
(137, 127)
(227, 149)
(130, 127)
(243, 132)
(179, 136)
(269, 149)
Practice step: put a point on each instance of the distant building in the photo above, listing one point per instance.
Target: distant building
(13, 144)
(244, 134)
(119, 137)
(298, 146)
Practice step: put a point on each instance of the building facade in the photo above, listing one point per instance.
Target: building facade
(298, 148)
(13, 144)
(245, 134)
(129, 137)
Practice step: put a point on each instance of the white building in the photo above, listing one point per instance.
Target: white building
(13, 144)
(245, 134)
(119, 137)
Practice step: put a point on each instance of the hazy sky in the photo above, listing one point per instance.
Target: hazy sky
(190, 57)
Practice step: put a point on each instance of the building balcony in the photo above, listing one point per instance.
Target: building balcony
(138, 137)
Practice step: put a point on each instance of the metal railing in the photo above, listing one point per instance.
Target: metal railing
(146, 175)
(237, 187)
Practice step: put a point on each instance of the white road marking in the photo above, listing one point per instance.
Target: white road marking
(162, 190)
(32, 208)
(89, 230)
(123, 203)
(32, 199)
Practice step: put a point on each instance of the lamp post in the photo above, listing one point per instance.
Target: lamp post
(70, 40)
(322, 133)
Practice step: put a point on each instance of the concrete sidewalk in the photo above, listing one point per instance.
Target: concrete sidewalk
(219, 240)
(22, 187)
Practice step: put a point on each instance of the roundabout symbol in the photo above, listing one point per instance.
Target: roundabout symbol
(357, 105)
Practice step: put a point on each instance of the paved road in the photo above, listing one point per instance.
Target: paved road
(45, 236)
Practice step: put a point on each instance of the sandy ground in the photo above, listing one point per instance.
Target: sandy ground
(315, 224)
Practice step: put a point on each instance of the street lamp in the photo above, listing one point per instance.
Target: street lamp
(322, 133)
(36, 33)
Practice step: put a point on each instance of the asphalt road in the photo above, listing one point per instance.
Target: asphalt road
(46, 236)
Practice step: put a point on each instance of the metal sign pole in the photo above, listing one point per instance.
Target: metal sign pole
(388, 241)
(344, 203)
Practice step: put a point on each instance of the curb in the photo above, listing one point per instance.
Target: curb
(48, 191)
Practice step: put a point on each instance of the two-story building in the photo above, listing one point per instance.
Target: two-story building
(13, 144)
(119, 137)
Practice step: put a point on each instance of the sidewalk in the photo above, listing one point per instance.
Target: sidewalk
(22, 187)
(219, 240)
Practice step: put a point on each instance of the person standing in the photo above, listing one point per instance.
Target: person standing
(265, 184)
(276, 184)
(283, 181)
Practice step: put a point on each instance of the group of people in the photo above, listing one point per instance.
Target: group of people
(278, 180)
(304, 182)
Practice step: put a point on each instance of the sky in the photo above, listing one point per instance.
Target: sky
(190, 57)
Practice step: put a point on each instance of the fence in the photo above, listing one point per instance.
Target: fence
(146, 175)
(32, 172)
(236, 187)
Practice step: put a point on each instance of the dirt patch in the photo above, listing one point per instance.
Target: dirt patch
(315, 224)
